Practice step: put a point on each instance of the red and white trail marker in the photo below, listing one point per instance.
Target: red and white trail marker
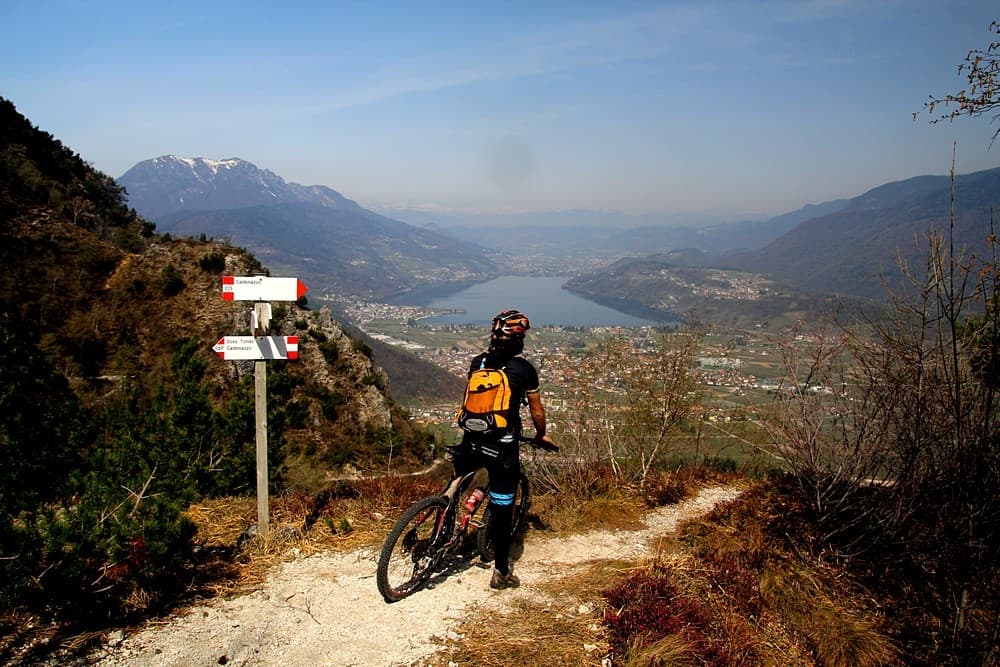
(262, 288)
(257, 347)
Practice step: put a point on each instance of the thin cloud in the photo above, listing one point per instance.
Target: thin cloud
(579, 45)
(691, 37)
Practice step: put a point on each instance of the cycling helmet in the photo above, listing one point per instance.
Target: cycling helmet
(510, 324)
(508, 330)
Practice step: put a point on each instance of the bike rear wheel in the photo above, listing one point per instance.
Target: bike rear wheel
(484, 541)
(409, 554)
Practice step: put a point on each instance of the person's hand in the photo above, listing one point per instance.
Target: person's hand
(545, 442)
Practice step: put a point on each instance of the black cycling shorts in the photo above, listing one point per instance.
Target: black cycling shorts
(501, 458)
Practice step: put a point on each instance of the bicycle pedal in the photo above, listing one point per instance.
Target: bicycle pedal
(477, 523)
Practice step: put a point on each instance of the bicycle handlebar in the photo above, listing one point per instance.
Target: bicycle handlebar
(539, 444)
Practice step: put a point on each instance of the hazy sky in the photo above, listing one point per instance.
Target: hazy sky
(732, 108)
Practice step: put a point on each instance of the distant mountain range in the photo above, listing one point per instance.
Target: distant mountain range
(612, 234)
(852, 248)
(845, 246)
(857, 250)
(313, 232)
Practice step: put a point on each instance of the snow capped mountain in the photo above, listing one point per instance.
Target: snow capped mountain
(169, 184)
(311, 232)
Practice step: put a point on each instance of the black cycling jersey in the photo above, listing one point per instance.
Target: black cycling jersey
(522, 375)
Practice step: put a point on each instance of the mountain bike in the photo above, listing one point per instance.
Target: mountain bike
(436, 532)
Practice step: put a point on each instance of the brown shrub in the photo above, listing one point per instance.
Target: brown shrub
(666, 488)
(648, 607)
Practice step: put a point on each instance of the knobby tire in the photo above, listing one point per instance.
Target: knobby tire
(407, 558)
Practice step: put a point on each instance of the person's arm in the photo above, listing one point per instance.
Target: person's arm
(537, 411)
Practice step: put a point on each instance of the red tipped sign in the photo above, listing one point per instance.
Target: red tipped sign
(262, 288)
(257, 347)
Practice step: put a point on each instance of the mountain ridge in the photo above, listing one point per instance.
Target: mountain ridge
(204, 184)
(609, 233)
(857, 251)
(312, 231)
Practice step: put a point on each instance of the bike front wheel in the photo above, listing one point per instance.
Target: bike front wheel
(484, 541)
(409, 553)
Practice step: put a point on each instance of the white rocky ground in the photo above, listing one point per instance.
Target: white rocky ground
(326, 610)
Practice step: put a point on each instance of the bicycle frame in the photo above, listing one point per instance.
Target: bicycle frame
(454, 491)
(444, 536)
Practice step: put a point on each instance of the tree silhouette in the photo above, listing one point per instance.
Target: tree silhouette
(982, 72)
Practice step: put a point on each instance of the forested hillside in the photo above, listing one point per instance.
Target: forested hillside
(858, 250)
(115, 413)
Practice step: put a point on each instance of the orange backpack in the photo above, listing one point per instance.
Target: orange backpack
(486, 408)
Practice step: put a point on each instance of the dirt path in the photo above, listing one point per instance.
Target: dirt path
(326, 610)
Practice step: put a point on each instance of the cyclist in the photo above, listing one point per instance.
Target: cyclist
(499, 454)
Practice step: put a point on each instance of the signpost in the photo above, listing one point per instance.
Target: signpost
(262, 288)
(260, 347)
(232, 348)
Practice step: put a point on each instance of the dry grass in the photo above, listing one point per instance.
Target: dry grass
(731, 587)
(561, 627)
(343, 517)
(532, 634)
(596, 499)
(672, 650)
(822, 613)
(723, 591)
(567, 514)
(740, 637)
(588, 581)
(771, 602)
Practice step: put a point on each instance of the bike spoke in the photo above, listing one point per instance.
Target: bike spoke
(410, 552)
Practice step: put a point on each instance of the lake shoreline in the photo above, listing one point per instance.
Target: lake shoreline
(545, 300)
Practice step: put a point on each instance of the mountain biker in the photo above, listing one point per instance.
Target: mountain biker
(499, 453)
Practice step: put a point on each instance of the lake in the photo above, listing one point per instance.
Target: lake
(542, 299)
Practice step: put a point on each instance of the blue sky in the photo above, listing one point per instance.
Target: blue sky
(732, 109)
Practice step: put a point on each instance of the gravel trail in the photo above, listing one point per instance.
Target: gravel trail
(326, 610)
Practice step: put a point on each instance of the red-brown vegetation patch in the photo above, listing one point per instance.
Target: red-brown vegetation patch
(746, 585)
(649, 606)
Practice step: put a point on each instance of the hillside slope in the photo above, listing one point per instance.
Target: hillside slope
(110, 302)
(856, 251)
(312, 232)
